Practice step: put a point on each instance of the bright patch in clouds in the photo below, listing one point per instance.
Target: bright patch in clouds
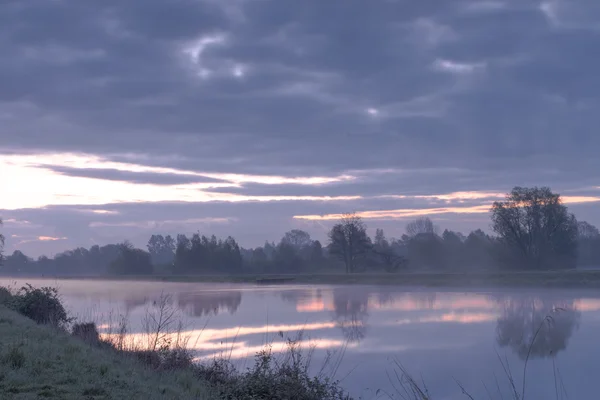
(401, 213)
(457, 67)
(196, 50)
(162, 223)
(34, 184)
(50, 238)
(459, 197)
(238, 71)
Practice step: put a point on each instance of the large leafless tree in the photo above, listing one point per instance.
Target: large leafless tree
(420, 226)
(536, 227)
(349, 241)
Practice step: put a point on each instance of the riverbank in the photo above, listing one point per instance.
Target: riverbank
(542, 279)
(39, 361)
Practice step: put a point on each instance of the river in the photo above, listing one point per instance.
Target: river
(440, 336)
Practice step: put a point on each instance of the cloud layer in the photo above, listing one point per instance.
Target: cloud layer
(121, 119)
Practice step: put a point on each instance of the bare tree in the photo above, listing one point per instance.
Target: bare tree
(159, 322)
(586, 230)
(297, 238)
(536, 227)
(588, 244)
(420, 226)
(349, 241)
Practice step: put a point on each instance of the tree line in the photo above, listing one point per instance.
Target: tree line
(532, 229)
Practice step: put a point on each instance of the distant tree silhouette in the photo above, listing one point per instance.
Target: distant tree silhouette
(202, 254)
(131, 261)
(287, 258)
(161, 249)
(258, 260)
(420, 226)
(297, 238)
(316, 256)
(385, 255)
(19, 262)
(536, 228)
(479, 250)
(588, 240)
(533, 230)
(348, 240)
(454, 248)
(425, 248)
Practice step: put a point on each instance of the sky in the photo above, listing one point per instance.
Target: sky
(121, 119)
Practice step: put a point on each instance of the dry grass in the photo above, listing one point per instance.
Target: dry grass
(42, 362)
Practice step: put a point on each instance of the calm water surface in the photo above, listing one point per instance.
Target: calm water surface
(438, 335)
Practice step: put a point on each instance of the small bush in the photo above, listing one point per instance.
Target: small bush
(271, 378)
(6, 296)
(42, 305)
(164, 359)
(86, 332)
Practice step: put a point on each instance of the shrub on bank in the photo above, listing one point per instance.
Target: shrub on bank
(42, 305)
(270, 377)
(5, 296)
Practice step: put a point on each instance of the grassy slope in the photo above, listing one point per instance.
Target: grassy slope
(39, 362)
(565, 279)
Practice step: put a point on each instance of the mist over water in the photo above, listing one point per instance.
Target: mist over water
(441, 336)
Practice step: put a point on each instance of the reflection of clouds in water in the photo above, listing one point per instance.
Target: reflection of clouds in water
(456, 317)
(351, 308)
(242, 349)
(540, 327)
(431, 301)
(236, 342)
(387, 300)
(586, 305)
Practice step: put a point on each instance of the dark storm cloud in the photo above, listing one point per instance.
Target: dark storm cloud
(132, 177)
(482, 94)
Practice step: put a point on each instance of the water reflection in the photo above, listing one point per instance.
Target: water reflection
(540, 327)
(350, 310)
(440, 335)
(134, 301)
(210, 302)
(392, 299)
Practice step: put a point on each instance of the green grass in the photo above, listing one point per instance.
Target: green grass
(557, 278)
(39, 362)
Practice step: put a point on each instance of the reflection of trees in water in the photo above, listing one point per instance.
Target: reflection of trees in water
(210, 303)
(422, 301)
(350, 312)
(550, 321)
(295, 296)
